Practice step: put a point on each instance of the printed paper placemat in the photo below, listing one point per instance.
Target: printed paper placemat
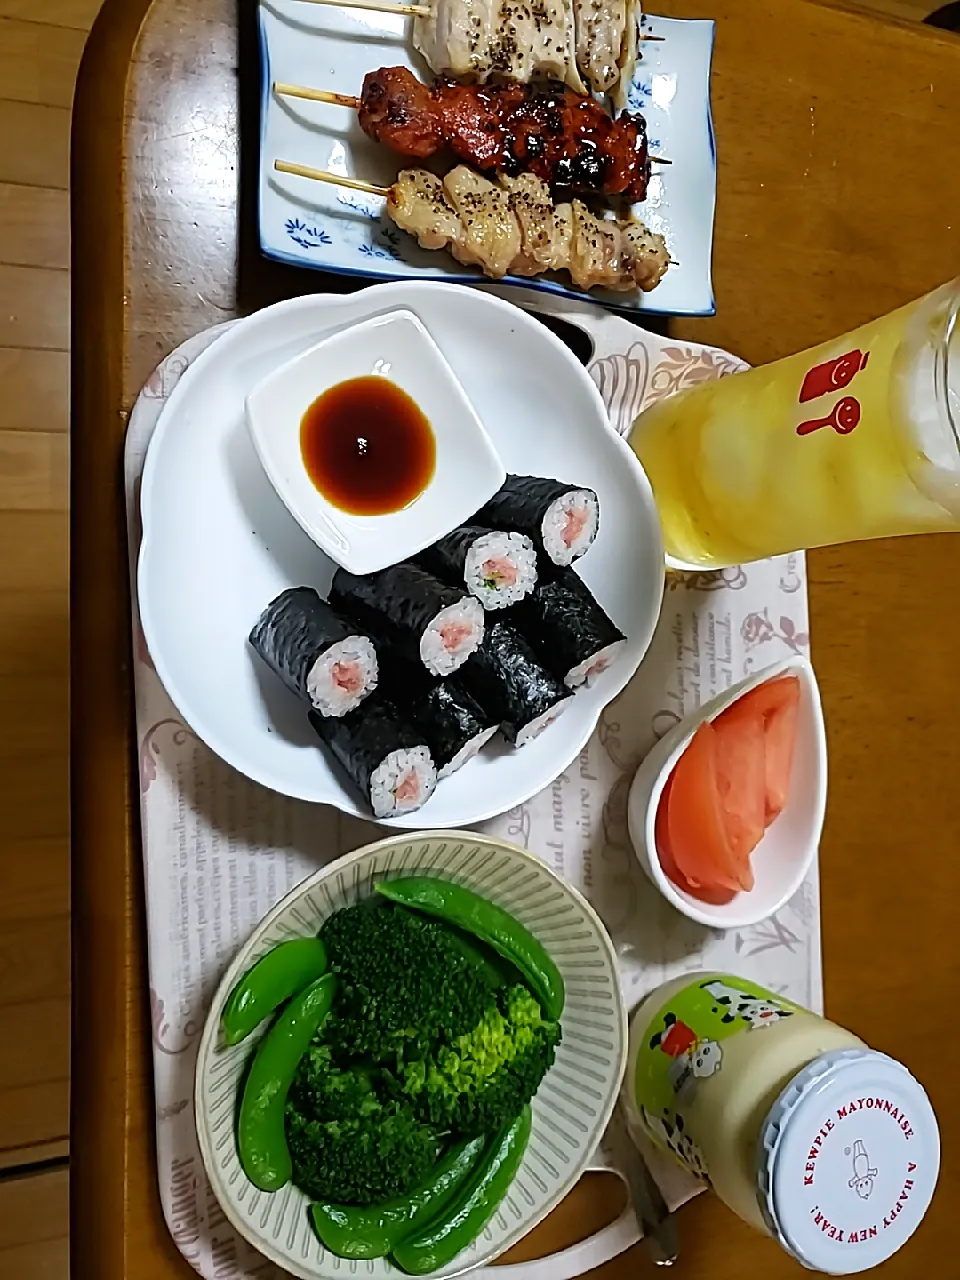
(220, 851)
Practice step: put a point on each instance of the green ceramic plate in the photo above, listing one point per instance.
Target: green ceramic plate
(571, 1109)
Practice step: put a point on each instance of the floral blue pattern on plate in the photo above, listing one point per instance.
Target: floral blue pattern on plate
(344, 231)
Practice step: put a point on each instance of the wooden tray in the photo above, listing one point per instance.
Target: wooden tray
(820, 225)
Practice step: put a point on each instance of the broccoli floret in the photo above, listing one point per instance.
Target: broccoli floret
(404, 984)
(361, 1161)
(350, 1140)
(482, 1078)
(427, 1037)
(324, 1090)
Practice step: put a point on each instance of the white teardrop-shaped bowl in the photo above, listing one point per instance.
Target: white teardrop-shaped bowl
(788, 847)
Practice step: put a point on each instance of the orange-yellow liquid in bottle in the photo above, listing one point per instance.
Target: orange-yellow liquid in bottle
(825, 446)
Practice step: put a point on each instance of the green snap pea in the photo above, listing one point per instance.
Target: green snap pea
(457, 905)
(350, 1232)
(261, 1137)
(283, 972)
(460, 1223)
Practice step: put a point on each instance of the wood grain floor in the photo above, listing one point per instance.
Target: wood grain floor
(38, 66)
(40, 50)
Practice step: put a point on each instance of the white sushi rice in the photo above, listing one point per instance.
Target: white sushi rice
(579, 507)
(343, 676)
(467, 752)
(452, 636)
(584, 675)
(411, 772)
(536, 727)
(501, 569)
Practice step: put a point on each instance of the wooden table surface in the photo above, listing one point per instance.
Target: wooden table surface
(839, 199)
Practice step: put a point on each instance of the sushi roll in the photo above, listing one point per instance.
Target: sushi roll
(321, 655)
(454, 725)
(569, 632)
(509, 683)
(387, 760)
(561, 519)
(408, 608)
(499, 568)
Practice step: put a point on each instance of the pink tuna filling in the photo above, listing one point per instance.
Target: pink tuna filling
(347, 676)
(454, 634)
(408, 788)
(499, 571)
(575, 525)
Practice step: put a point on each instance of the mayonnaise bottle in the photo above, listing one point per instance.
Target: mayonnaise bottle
(802, 1130)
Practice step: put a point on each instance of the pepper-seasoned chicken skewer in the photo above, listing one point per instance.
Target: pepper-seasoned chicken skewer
(566, 139)
(582, 43)
(513, 227)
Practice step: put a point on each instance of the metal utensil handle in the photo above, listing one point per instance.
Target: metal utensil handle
(659, 1227)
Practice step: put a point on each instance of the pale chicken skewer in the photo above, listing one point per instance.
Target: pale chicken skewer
(513, 227)
(482, 40)
(607, 34)
(589, 45)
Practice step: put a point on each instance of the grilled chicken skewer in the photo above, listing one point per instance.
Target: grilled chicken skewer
(585, 44)
(513, 227)
(565, 139)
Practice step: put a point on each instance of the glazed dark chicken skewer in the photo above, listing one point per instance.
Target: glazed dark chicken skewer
(565, 139)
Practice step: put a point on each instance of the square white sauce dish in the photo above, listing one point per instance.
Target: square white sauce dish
(372, 443)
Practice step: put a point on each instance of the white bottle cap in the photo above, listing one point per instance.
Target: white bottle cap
(847, 1161)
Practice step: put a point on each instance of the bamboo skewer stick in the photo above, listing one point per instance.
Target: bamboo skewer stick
(316, 95)
(380, 6)
(335, 179)
(348, 100)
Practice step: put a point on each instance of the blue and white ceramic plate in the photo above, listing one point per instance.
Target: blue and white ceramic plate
(334, 229)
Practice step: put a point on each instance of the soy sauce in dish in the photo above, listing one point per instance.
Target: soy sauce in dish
(367, 446)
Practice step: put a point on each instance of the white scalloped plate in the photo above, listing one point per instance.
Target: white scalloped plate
(218, 544)
(345, 232)
(571, 1109)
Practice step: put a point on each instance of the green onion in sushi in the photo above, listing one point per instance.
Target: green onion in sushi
(497, 567)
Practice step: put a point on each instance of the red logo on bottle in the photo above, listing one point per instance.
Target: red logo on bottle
(843, 419)
(831, 376)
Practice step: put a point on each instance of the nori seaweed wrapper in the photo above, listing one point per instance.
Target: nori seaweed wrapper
(294, 630)
(442, 710)
(504, 676)
(563, 622)
(521, 503)
(397, 603)
(448, 555)
(362, 739)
